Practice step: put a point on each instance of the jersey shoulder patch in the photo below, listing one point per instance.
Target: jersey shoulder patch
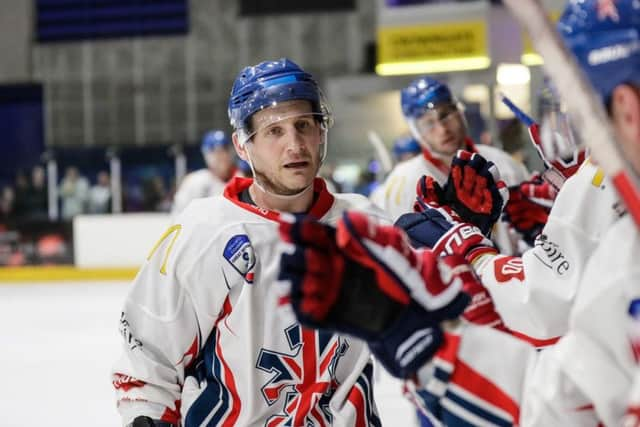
(239, 252)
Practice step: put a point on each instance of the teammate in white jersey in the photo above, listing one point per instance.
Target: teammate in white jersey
(437, 122)
(217, 151)
(207, 341)
(533, 294)
(481, 376)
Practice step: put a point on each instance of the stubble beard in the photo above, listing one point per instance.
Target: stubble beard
(276, 187)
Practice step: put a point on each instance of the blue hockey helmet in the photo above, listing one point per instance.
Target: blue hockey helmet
(214, 139)
(422, 95)
(405, 145)
(269, 83)
(604, 37)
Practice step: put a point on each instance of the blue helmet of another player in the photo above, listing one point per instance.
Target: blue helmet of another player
(604, 36)
(405, 146)
(214, 139)
(268, 84)
(434, 116)
(243, 166)
(424, 94)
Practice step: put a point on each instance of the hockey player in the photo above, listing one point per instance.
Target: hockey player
(480, 376)
(404, 148)
(217, 151)
(204, 340)
(437, 122)
(534, 293)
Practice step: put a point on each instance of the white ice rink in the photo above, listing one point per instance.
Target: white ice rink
(57, 344)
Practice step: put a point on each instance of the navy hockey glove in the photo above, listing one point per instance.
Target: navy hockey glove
(445, 235)
(363, 279)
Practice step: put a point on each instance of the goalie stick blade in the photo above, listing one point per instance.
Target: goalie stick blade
(584, 105)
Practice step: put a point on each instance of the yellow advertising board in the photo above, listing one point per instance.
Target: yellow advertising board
(432, 48)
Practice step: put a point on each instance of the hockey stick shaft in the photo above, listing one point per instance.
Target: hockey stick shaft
(584, 105)
(520, 115)
(525, 119)
(381, 151)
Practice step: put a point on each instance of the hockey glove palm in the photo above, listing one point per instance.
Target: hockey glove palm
(529, 206)
(474, 191)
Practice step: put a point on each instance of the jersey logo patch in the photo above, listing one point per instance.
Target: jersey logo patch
(553, 258)
(240, 254)
(304, 379)
(507, 268)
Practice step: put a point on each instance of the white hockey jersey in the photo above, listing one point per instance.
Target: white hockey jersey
(205, 340)
(534, 294)
(486, 377)
(195, 185)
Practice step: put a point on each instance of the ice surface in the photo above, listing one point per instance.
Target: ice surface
(57, 344)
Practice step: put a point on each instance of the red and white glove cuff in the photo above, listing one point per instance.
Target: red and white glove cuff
(464, 239)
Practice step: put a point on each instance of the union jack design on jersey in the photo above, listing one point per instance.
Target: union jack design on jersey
(306, 377)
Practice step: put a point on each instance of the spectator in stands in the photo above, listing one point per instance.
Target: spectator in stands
(100, 194)
(155, 195)
(74, 190)
(7, 199)
(36, 202)
(21, 186)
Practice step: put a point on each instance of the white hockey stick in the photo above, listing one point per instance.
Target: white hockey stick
(381, 151)
(585, 107)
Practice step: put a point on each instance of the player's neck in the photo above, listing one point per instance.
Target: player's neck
(300, 203)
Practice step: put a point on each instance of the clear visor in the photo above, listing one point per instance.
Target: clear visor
(558, 138)
(274, 127)
(290, 119)
(288, 116)
(437, 114)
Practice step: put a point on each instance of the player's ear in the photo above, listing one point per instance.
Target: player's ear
(625, 111)
(240, 148)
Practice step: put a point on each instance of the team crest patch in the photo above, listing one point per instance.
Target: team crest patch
(239, 252)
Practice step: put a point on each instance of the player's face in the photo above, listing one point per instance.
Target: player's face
(625, 114)
(286, 147)
(442, 129)
(220, 162)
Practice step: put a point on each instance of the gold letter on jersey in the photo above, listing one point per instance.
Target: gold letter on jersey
(177, 228)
